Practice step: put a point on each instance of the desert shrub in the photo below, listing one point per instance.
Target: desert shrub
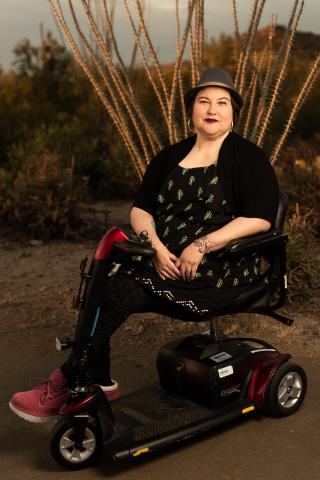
(299, 175)
(117, 176)
(303, 257)
(39, 198)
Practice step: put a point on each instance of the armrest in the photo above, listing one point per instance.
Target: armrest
(135, 247)
(256, 242)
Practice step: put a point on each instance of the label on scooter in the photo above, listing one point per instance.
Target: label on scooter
(225, 371)
(220, 357)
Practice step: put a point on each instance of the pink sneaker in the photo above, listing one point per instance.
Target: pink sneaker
(112, 392)
(43, 402)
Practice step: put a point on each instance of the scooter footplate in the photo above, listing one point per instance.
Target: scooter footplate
(171, 423)
(153, 418)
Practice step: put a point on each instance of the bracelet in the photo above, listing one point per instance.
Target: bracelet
(203, 244)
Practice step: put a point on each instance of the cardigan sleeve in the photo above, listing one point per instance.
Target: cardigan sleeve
(258, 191)
(146, 195)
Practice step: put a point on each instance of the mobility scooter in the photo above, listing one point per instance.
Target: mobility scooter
(204, 380)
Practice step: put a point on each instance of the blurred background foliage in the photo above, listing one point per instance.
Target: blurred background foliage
(58, 147)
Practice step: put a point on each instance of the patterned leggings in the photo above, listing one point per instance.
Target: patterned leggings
(124, 296)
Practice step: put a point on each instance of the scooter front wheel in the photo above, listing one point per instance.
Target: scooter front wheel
(74, 451)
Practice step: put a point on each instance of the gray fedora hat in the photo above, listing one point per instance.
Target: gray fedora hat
(214, 77)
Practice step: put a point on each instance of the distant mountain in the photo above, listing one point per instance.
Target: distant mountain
(306, 43)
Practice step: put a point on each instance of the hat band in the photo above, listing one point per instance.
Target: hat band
(219, 84)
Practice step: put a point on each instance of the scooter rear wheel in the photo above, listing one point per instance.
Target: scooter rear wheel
(67, 453)
(287, 390)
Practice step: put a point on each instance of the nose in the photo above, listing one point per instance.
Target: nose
(211, 109)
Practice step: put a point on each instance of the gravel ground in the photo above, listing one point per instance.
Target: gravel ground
(38, 282)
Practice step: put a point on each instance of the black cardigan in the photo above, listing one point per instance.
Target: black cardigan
(246, 177)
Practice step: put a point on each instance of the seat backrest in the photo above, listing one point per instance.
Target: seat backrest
(282, 211)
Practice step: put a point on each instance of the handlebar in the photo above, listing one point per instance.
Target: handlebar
(133, 247)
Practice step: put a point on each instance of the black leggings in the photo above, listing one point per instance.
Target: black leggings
(124, 296)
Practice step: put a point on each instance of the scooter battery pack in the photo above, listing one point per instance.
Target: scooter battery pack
(209, 373)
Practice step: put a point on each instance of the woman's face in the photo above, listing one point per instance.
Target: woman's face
(212, 112)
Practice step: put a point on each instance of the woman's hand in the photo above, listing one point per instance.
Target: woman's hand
(189, 261)
(164, 262)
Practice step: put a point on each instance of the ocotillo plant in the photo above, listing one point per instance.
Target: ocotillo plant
(259, 78)
(110, 76)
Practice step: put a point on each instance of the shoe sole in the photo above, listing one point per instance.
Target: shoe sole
(110, 396)
(31, 418)
(37, 419)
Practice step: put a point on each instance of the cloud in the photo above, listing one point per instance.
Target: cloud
(164, 5)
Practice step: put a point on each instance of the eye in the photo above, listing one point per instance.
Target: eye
(222, 102)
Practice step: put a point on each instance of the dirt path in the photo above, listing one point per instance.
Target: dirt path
(37, 285)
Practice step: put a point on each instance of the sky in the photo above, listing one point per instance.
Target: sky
(21, 19)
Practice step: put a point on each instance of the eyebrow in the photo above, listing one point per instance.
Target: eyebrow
(220, 98)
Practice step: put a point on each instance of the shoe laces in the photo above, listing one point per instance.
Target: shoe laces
(48, 388)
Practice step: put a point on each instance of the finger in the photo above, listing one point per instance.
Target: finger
(159, 265)
(181, 269)
(188, 272)
(184, 272)
(160, 274)
(174, 269)
(172, 277)
(170, 274)
(165, 272)
(193, 273)
(168, 267)
(189, 275)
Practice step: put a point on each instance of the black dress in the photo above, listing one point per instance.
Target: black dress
(190, 205)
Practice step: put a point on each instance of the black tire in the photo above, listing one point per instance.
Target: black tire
(287, 390)
(63, 448)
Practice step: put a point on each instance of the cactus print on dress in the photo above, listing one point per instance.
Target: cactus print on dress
(195, 201)
(190, 204)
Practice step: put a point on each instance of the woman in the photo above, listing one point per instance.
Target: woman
(196, 196)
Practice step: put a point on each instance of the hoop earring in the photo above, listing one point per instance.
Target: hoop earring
(189, 126)
(231, 127)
